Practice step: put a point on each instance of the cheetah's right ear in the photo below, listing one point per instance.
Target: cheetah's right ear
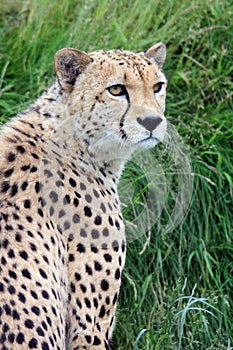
(68, 64)
(157, 53)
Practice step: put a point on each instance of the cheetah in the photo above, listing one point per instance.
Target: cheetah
(62, 235)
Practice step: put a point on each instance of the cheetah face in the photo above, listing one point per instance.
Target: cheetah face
(122, 105)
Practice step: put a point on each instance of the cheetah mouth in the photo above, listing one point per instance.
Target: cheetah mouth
(150, 139)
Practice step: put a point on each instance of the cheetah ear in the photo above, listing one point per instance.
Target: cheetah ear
(158, 53)
(68, 64)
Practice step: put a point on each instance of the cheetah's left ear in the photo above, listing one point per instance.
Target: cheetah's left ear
(158, 53)
(68, 64)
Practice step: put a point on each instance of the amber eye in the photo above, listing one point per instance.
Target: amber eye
(158, 87)
(117, 90)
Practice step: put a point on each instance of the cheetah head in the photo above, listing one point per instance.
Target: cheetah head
(116, 99)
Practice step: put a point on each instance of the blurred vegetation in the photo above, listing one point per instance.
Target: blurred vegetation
(195, 260)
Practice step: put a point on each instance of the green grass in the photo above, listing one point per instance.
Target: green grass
(177, 290)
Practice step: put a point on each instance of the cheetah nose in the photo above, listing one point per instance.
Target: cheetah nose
(150, 123)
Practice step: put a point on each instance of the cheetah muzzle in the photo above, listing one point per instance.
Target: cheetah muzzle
(62, 232)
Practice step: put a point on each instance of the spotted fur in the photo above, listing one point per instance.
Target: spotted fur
(62, 237)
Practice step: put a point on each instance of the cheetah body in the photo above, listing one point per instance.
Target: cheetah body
(62, 238)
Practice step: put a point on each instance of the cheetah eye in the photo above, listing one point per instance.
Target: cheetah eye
(158, 87)
(117, 90)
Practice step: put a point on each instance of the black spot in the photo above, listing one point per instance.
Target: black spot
(87, 302)
(82, 186)
(117, 225)
(20, 149)
(33, 169)
(11, 338)
(115, 246)
(34, 155)
(15, 216)
(107, 257)
(87, 211)
(80, 248)
(33, 247)
(66, 225)
(40, 212)
(83, 233)
(23, 255)
(117, 274)
(11, 289)
(94, 249)
(92, 288)
(25, 167)
(98, 220)
(104, 285)
(38, 187)
(24, 185)
(53, 196)
(36, 310)
(51, 211)
(11, 254)
(21, 298)
(96, 194)
(83, 288)
(40, 331)
(71, 257)
(45, 346)
(72, 182)
(95, 234)
(72, 287)
(97, 265)
(29, 218)
(115, 299)
(34, 294)
(5, 186)
(77, 276)
(45, 294)
(102, 311)
(61, 213)
(88, 270)
(123, 246)
(29, 324)
(110, 220)
(32, 343)
(78, 302)
(76, 202)
(5, 243)
(88, 318)
(43, 273)
(1, 287)
(12, 274)
(3, 261)
(48, 173)
(20, 338)
(88, 339)
(105, 232)
(11, 156)
(76, 218)
(44, 325)
(88, 198)
(66, 199)
(5, 328)
(9, 172)
(95, 301)
(96, 341)
(7, 309)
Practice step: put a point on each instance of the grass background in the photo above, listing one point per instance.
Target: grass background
(177, 293)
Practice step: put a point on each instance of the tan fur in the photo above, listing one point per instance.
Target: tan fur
(62, 234)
